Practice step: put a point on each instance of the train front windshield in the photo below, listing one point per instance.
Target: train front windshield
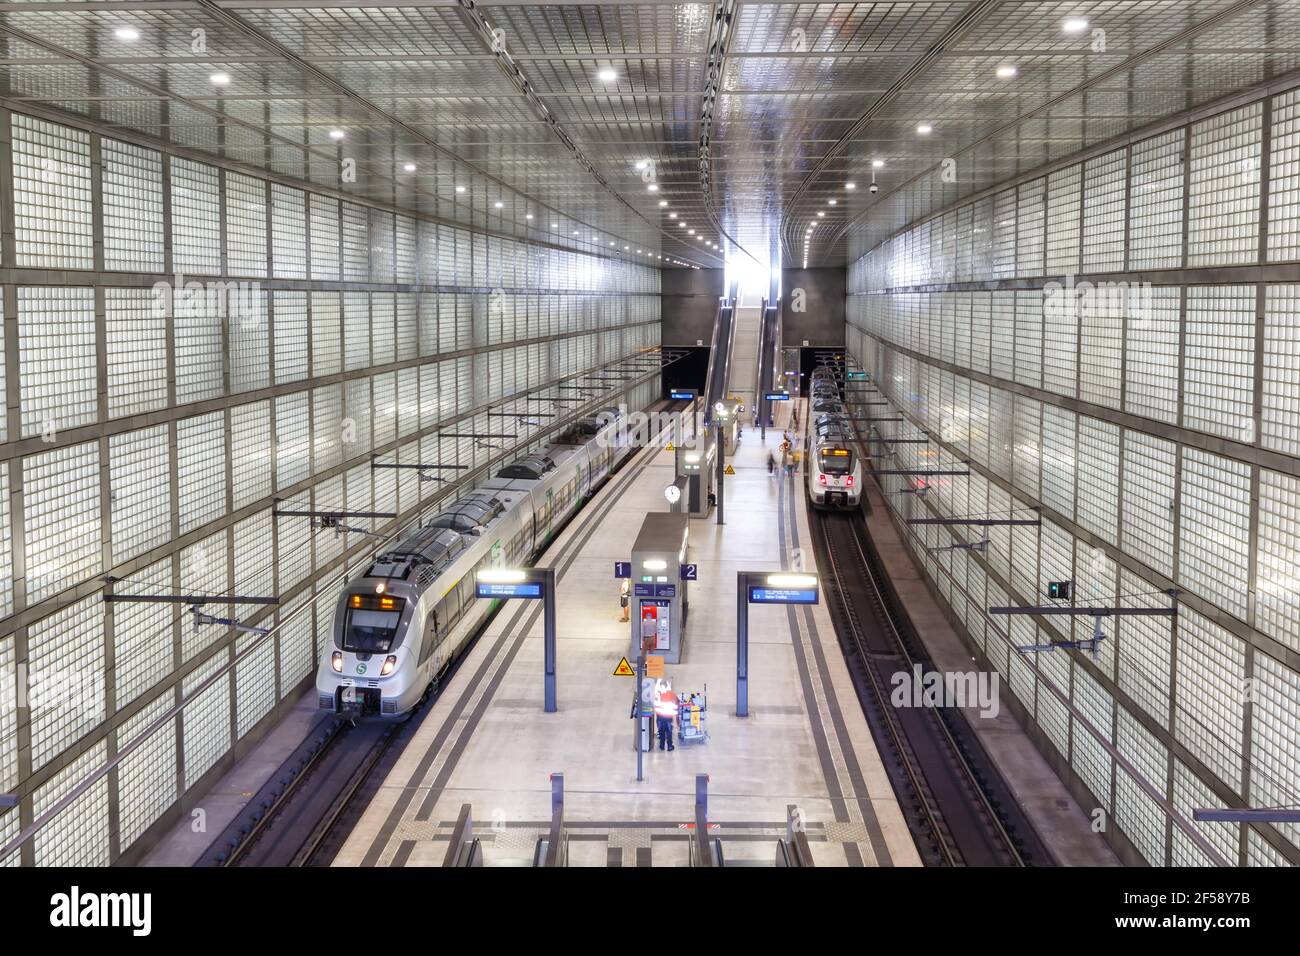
(371, 625)
(836, 461)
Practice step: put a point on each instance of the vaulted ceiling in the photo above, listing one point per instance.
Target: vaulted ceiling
(624, 126)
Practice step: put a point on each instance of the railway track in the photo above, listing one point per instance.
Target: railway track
(959, 809)
(303, 815)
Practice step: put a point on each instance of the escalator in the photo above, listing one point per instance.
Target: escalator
(768, 377)
(720, 352)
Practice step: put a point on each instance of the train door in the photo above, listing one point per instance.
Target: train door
(550, 513)
(431, 641)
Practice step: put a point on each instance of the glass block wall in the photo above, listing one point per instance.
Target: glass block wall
(1116, 343)
(185, 344)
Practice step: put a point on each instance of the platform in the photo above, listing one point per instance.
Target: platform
(487, 742)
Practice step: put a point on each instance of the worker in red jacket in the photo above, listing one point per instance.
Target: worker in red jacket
(665, 713)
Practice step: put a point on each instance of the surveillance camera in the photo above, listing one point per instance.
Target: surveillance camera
(873, 188)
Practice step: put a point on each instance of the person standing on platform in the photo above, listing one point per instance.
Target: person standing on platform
(665, 714)
(771, 463)
(625, 586)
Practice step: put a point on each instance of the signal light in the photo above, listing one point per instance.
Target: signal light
(821, 479)
(850, 481)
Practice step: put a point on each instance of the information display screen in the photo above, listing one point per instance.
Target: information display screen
(765, 595)
(523, 589)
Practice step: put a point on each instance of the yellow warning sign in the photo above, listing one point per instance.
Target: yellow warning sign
(668, 447)
(728, 470)
(624, 669)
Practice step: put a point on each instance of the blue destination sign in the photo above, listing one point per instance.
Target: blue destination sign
(682, 394)
(855, 376)
(524, 589)
(665, 590)
(762, 595)
(643, 590)
(776, 396)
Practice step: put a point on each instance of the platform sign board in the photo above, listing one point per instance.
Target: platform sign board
(665, 590)
(654, 666)
(689, 572)
(622, 569)
(536, 584)
(776, 396)
(767, 595)
(683, 394)
(857, 376)
(522, 589)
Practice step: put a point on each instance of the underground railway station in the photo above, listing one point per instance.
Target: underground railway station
(462, 436)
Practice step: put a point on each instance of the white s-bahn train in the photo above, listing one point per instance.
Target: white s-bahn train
(399, 625)
(834, 470)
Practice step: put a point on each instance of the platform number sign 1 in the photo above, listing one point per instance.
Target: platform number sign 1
(622, 569)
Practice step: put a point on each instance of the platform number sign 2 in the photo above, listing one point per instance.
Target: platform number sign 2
(689, 572)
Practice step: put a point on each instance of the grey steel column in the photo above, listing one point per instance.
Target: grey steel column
(722, 454)
(548, 638)
(637, 707)
(742, 644)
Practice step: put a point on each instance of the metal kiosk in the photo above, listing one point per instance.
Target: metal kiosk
(694, 464)
(659, 602)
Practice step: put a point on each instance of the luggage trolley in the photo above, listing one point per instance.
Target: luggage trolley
(692, 711)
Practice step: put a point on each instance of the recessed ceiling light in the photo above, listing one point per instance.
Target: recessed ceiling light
(681, 225)
(820, 214)
(672, 215)
(1006, 71)
(337, 134)
(498, 204)
(611, 243)
(691, 231)
(607, 75)
(925, 129)
(831, 202)
(1074, 24)
(409, 167)
(528, 215)
(877, 163)
(219, 79)
(460, 189)
(850, 185)
(663, 202)
(555, 225)
(575, 232)
(625, 247)
(126, 34)
(652, 188)
(642, 163)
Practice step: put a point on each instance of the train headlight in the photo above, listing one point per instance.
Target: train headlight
(849, 481)
(821, 479)
(389, 663)
(336, 662)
